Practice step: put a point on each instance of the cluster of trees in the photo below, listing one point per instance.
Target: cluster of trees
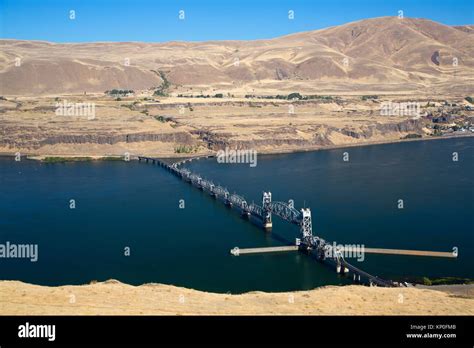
(122, 92)
(185, 149)
(117, 93)
(412, 136)
(162, 90)
(163, 119)
(370, 97)
(218, 95)
(291, 96)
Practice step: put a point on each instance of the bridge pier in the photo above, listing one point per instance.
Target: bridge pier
(341, 269)
(245, 214)
(267, 225)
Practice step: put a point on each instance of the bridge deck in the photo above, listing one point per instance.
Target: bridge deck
(409, 252)
(238, 251)
(370, 277)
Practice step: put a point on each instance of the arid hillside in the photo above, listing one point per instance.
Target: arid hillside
(380, 54)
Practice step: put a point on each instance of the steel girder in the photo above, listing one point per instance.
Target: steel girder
(286, 212)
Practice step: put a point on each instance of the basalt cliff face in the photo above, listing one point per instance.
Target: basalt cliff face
(201, 127)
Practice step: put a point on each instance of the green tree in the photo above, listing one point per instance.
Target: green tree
(295, 95)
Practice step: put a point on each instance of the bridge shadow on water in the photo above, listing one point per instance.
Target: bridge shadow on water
(281, 238)
(220, 204)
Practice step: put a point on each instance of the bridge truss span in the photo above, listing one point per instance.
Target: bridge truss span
(221, 192)
(286, 211)
(256, 210)
(239, 202)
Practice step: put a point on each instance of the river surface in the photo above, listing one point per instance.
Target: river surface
(136, 205)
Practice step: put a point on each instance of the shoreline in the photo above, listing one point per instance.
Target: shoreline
(91, 157)
(370, 143)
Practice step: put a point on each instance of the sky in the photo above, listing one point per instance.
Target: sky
(158, 20)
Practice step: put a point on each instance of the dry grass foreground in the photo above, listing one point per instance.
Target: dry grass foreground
(115, 298)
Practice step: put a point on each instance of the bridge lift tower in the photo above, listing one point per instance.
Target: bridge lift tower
(267, 210)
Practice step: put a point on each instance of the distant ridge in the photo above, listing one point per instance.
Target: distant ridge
(418, 53)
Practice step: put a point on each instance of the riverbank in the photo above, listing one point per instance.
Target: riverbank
(61, 159)
(115, 298)
(51, 158)
(360, 144)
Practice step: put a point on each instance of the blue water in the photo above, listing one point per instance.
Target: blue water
(136, 205)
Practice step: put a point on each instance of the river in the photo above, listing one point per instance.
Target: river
(121, 205)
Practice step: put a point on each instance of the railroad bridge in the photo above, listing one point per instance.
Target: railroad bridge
(323, 251)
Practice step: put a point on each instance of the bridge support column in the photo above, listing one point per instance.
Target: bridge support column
(211, 191)
(245, 210)
(267, 223)
(227, 201)
(341, 269)
(267, 210)
(320, 255)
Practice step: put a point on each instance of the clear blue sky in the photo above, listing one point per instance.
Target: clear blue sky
(157, 20)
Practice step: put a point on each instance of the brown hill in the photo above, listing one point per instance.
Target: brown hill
(385, 53)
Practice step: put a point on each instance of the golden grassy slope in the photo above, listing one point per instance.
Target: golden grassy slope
(115, 298)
